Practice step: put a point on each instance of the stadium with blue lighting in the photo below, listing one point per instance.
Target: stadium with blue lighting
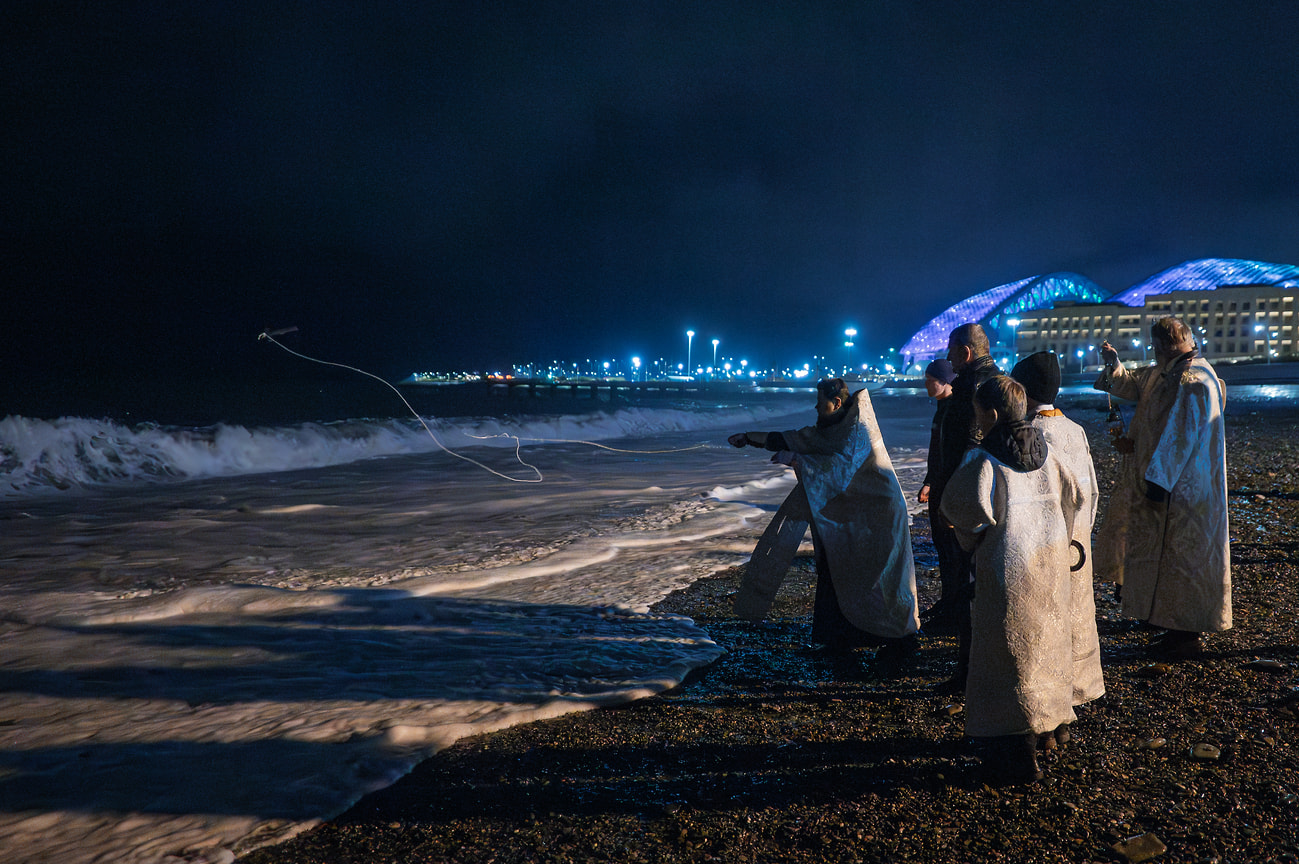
(996, 307)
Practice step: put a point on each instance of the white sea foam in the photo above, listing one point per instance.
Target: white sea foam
(42, 455)
(196, 667)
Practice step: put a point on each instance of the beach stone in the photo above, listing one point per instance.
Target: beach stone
(1141, 848)
(1155, 670)
(1276, 667)
(1153, 743)
(1206, 752)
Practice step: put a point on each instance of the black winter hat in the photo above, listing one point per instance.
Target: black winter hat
(1040, 375)
(941, 370)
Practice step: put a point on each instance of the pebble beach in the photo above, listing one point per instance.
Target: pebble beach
(777, 753)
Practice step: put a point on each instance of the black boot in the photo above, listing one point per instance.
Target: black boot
(1011, 760)
(1054, 740)
(894, 654)
(1176, 645)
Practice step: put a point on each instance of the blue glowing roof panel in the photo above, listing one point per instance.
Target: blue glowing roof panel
(1207, 274)
(991, 307)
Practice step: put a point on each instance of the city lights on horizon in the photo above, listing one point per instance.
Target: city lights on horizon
(719, 365)
(1024, 315)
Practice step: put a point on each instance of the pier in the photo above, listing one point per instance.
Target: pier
(620, 389)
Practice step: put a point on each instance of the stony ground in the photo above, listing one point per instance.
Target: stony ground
(775, 754)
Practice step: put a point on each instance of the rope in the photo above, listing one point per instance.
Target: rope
(269, 335)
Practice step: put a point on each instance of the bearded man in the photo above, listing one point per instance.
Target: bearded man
(1164, 538)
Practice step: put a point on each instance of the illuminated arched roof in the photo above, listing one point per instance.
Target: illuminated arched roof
(993, 306)
(1209, 273)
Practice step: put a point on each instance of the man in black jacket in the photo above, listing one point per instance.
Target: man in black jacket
(940, 617)
(970, 355)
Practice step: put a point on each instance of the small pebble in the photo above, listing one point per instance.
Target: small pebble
(1141, 848)
(1206, 752)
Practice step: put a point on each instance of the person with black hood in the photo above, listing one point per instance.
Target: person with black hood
(1068, 449)
(971, 358)
(866, 583)
(1006, 511)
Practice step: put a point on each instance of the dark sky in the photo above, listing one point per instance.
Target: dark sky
(468, 184)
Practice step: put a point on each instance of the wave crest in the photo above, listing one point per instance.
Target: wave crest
(72, 452)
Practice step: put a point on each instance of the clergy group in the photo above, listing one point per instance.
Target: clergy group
(1013, 499)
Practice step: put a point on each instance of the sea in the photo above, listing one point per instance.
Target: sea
(213, 635)
(216, 634)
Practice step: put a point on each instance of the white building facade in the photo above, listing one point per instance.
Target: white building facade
(1231, 324)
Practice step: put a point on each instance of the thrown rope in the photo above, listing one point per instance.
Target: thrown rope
(269, 335)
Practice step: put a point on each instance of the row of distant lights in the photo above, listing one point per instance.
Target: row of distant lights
(726, 369)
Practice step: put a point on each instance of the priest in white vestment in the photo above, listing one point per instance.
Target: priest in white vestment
(1165, 537)
(866, 583)
(1006, 508)
(1069, 452)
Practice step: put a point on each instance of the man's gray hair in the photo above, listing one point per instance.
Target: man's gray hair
(1173, 332)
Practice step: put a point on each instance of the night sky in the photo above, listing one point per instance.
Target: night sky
(469, 184)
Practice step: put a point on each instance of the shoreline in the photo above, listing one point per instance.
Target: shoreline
(773, 753)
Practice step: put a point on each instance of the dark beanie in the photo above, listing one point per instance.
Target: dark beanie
(941, 369)
(1040, 375)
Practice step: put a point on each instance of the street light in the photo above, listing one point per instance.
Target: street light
(851, 333)
(1267, 335)
(1013, 323)
(690, 338)
(716, 342)
(1135, 343)
(1080, 361)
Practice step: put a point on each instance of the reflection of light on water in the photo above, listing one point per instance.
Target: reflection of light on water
(1264, 392)
(1259, 394)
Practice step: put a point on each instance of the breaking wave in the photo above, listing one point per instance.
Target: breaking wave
(74, 452)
